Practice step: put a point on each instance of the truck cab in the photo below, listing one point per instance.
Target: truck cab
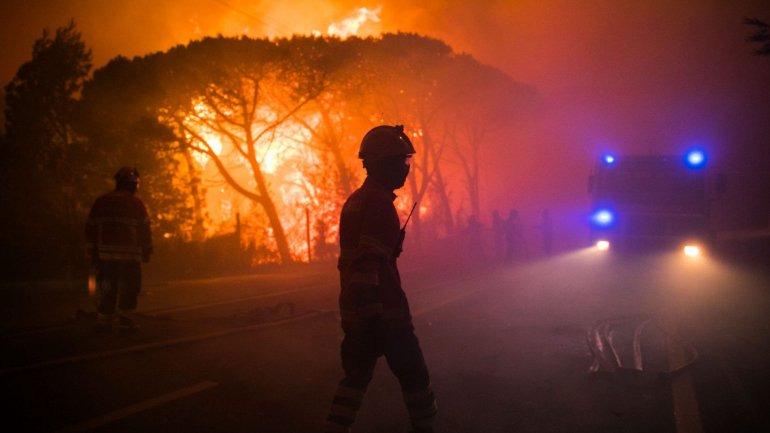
(642, 202)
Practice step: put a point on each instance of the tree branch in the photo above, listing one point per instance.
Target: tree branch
(217, 161)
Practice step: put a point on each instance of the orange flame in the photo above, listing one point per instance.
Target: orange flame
(297, 178)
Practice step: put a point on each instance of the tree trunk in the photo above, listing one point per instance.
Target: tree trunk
(272, 216)
(416, 220)
(443, 202)
(198, 231)
(473, 181)
(333, 144)
(472, 187)
(345, 177)
(444, 206)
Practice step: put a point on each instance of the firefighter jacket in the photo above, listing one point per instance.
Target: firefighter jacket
(369, 279)
(118, 228)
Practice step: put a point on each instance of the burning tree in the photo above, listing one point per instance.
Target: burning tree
(406, 72)
(452, 104)
(270, 127)
(335, 119)
(118, 116)
(238, 96)
(267, 128)
(490, 101)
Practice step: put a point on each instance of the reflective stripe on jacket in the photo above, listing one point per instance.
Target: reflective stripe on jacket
(118, 227)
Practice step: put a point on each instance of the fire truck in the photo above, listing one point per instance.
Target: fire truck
(642, 202)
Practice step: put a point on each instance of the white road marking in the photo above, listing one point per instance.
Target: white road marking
(232, 279)
(158, 344)
(158, 311)
(686, 411)
(138, 407)
(445, 302)
(216, 334)
(451, 299)
(230, 301)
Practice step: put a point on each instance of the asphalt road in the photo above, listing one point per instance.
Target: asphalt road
(506, 347)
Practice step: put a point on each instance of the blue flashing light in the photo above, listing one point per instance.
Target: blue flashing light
(608, 159)
(603, 218)
(695, 158)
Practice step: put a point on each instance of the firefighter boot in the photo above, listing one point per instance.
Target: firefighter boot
(103, 322)
(124, 324)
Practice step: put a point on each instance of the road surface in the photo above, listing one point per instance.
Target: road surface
(506, 347)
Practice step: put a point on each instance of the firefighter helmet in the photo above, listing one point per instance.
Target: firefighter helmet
(385, 140)
(127, 175)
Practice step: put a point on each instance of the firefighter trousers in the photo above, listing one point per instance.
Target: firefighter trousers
(360, 351)
(119, 283)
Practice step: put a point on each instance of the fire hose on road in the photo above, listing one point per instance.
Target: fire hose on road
(610, 355)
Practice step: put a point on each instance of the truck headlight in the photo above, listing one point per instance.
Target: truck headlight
(690, 250)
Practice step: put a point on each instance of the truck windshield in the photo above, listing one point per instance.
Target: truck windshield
(652, 185)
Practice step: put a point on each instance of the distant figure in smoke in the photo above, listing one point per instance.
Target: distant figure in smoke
(118, 239)
(514, 241)
(322, 250)
(474, 233)
(498, 235)
(546, 230)
(374, 309)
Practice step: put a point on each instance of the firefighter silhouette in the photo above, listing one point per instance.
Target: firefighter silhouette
(322, 250)
(514, 240)
(118, 239)
(546, 231)
(375, 313)
(474, 234)
(498, 236)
